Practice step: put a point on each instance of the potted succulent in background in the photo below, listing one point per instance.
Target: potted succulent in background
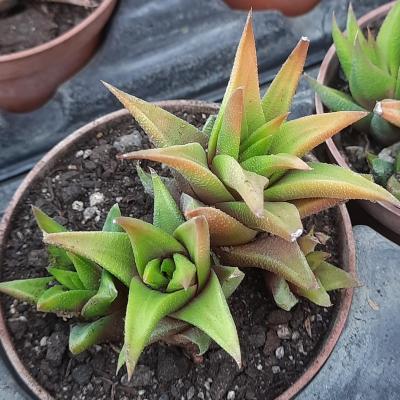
(369, 83)
(287, 7)
(43, 44)
(248, 212)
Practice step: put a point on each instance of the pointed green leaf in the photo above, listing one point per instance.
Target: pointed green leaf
(384, 132)
(269, 164)
(152, 275)
(283, 296)
(101, 302)
(168, 267)
(209, 312)
(59, 299)
(299, 136)
(229, 135)
(325, 180)
(229, 278)
(111, 250)
(46, 223)
(88, 272)
(184, 275)
(333, 278)
(167, 327)
(195, 236)
(146, 307)
(318, 296)
(388, 39)
(279, 96)
(272, 254)
(308, 242)
(281, 219)
(208, 126)
(83, 336)
(249, 185)
(307, 207)
(69, 279)
(224, 230)
(188, 203)
(166, 214)
(162, 127)
(315, 258)
(190, 161)
(28, 290)
(344, 48)
(109, 224)
(259, 148)
(197, 337)
(148, 241)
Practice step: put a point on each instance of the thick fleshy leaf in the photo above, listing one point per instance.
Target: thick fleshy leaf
(344, 48)
(209, 312)
(224, 230)
(209, 124)
(333, 278)
(279, 96)
(190, 161)
(168, 267)
(197, 337)
(166, 214)
(299, 136)
(88, 272)
(153, 277)
(148, 241)
(318, 296)
(59, 299)
(46, 223)
(244, 74)
(273, 254)
(315, 258)
(281, 219)
(111, 250)
(249, 185)
(184, 275)
(265, 131)
(105, 329)
(308, 242)
(326, 180)
(307, 207)
(162, 127)
(229, 278)
(382, 131)
(283, 296)
(69, 279)
(188, 203)
(229, 135)
(369, 83)
(195, 236)
(101, 302)
(28, 290)
(259, 148)
(389, 110)
(167, 327)
(388, 39)
(146, 307)
(269, 164)
(109, 224)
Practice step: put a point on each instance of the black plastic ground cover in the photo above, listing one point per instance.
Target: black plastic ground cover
(162, 49)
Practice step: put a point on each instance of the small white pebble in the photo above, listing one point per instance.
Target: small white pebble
(90, 212)
(87, 153)
(276, 369)
(79, 153)
(77, 205)
(279, 352)
(118, 199)
(96, 198)
(230, 395)
(43, 341)
(141, 392)
(259, 367)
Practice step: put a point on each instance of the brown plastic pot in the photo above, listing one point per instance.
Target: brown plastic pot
(291, 8)
(386, 214)
(51, 159)
(30, 77)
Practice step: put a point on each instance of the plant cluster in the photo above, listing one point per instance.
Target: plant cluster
(244, 189)
(371, 67)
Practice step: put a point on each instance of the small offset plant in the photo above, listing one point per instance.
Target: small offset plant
(244, 171)
(372, 69)
(160, 278)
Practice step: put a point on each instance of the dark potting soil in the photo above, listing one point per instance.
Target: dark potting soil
(276, 345)
(32, 23)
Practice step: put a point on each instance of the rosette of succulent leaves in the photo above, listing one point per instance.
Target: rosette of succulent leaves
(244, 171)
(137, 281)
(371, 67)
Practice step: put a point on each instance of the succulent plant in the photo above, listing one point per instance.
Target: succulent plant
(160, 278)
(244, 171)
(371, 68)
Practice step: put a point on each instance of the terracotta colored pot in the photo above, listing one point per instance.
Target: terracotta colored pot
(387, 214)
(290, 8)
(51, 159)
(30, 77)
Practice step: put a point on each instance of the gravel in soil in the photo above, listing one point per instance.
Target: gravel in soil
(276, 345)
(32, 23)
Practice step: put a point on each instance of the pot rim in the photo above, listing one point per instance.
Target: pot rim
(347, 248)
(86, 22)
(329, 62)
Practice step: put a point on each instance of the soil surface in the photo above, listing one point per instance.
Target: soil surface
(276, 345)
(32, 23)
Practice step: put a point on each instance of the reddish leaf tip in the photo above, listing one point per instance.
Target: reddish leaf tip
(305, 39)
(378, 108)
